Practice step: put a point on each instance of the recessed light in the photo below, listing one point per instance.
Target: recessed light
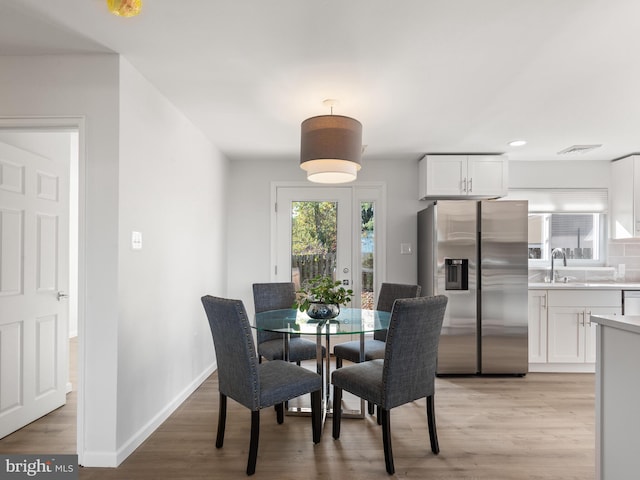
(517, 143)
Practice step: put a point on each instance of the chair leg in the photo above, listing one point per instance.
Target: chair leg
(280, 412)
(316, 415)
(386, 440)
(253, 445)
(431, 419)
(379, 416)
(370, 408)
(338, 362)
(222, 419)
(337, 411)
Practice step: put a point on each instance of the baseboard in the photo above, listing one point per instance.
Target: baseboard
(136, 440)
(108, 459)
(562, 367)
(98, 459)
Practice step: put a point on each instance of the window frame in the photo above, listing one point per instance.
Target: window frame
(600, 243)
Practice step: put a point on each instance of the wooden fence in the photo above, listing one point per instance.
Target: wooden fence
(309, 266)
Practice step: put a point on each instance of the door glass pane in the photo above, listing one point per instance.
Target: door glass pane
(314, 227)
(367, 251)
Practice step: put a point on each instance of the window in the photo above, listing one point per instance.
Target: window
(573, 220)
(367, 253)
(578, 235)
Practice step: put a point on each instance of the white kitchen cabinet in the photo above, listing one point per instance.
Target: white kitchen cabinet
(571, 336)
(617, 398)
(624, 202)
(537, 326)
(455, 176)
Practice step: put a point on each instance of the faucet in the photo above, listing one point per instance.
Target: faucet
(554, 253)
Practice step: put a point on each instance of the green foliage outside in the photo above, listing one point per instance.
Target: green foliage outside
(314, 228)
(314, 238)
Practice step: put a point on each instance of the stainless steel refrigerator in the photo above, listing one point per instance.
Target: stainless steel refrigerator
(475, 253)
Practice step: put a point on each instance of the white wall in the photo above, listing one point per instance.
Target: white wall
(250, 215)
(172, 190)
(84, 86)
(559, 174)
(143, 332)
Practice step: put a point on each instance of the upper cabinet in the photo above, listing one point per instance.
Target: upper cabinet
(470, 176)
(624, 198)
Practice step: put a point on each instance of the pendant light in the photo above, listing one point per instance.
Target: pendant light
(125, 8)
(331, 147)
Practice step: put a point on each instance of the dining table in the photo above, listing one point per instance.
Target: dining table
(350, 321)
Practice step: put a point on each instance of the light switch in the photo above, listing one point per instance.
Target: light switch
(136, 240)
(405, 249)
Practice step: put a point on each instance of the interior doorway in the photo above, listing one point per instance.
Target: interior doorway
(49, 141)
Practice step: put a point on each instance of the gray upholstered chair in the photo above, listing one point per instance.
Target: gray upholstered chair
(250, 383)
(406, 373)
(275, 296)
(374, 348)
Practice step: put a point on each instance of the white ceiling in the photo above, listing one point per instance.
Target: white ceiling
(423, 76)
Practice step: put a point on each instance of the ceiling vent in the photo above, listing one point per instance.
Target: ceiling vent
(578, 149)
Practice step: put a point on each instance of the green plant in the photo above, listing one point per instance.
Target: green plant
(322, 289)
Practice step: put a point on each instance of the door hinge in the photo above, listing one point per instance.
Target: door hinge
(275, 270)
(275, 207)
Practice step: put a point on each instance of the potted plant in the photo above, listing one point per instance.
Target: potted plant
(321, 297)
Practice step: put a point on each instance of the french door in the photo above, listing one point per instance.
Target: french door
(334, 231)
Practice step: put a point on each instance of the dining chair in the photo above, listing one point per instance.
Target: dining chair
(406, 373)
(374, 348)
(252, 384)
(276, 296)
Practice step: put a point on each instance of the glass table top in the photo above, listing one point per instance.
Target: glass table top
(350, 320)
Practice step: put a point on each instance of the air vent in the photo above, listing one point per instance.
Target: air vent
(578, 149)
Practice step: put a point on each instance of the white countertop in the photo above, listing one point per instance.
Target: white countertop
(629, 323)
(584, 286)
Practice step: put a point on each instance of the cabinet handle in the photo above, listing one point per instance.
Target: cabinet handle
(464, 185)
(470, 185)
(588, 322)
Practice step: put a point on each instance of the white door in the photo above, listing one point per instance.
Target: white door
(34, 246)
(360, 233)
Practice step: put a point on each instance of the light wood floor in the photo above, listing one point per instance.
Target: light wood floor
(537, 427)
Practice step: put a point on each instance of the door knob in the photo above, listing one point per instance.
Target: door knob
(62, 295)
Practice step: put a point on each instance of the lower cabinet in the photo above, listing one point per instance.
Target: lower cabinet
(537, 326)
(570, 336)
